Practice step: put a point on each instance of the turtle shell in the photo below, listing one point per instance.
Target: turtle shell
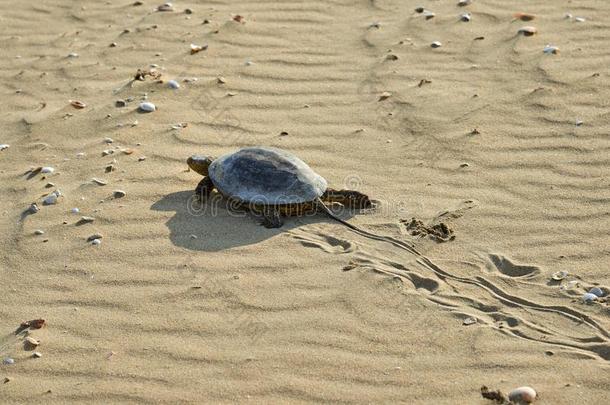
(266, 176)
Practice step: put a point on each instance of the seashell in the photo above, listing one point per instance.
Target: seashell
(107, 152)
(524, 16)
(385, 95)
(198, 48)
(419, 10)
(147, 106)
(96, 242)
(391, 56)
(463, 3)
(221, 80)
(428, 14)
(550, 49)
(80, 155)
(567, 16)
(77, 104)
(113, 45)
(465, 17)
(8, 360)
(190, 79)
(75, 210)
(173, 84)
(72, 55)
(522, 395)
(469, 321)
(597, 291)
(436, 44)
(38, 232)
(166, 7)
(47, 170)
(141, 158)
(37, 355)
(99, 182)
(559, 275)
(31, 341)
(94, 237)
(588, 298)
(120, 103)
(108, 140)
(33, 209)
(119, 193)
(580, 19)
(4, 146)
(569, 285)
(85, 220)
(579, 123)
(376, 25)
(51, 198)
(527, 31)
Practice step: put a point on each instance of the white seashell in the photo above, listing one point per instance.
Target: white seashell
(80, 155)
(567, 16)
(96, 242)
(47, 169)
(527, 31)
(4, 146)
(436, 44)
(37, 355)
(587, 298)
(550, 49)
(72, 55)
(8, 360)
(597, 291)
(559, 275)
(99, 182)
(147, 107)
(173, 84)
(31, 341)
(465, 17)
(50, 199)
(463, 3)
(580, 19)
(38, 232)
(469, 321)
(428, 14)
(75, 210)
(249, 63)
(579, 123)
(522, 395)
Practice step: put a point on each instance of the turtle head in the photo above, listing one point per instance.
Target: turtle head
(349, 198)
(200, 164)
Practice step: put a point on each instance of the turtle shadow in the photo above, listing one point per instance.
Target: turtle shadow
(215, 225)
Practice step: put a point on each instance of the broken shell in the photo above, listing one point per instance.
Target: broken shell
(469, 321)
(221, 80)
(551, 49)
(95, 236)
(559, 275)
(37, 355)
(385, 95)
(8, 360)
(77, 104)
(463, 3)
(436, 44)
(419, 9)
(569, 285)
(47, 169)
(166, 7)
(31, 341)
(38, 232)
(4, 146)
(198, 48)
(522, 395)
(588, 298)
(527, 31)
(580, 19)
(85, 220)
(579, 123)
(524, 16)
(428, 14)
(465, 17)
(391, 56)
(96, 242)
(51, 198)
(72, 55)
(119, 193)
(33, 208)
(173, 84)
(99, 182)
(596, 291)
(147, 107)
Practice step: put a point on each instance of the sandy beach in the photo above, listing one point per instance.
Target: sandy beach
(450, 118)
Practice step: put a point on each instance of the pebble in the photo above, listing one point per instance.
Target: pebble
(85, 220)
(33, 208)
(188, 11)
(38, 232)
(166, 7)
(173, 84)
(113, 45)
(465, 17)
(108, 140)
(580, 19)
(120, 103)
(428, 14)
(119, 193)
(80, 155)
(469, 321)
(588, 298)
(72, 55)
(8, 360)
(550, 49)
(221, 80)
(147, 107)
(419, 9)
(579, 123)
(385, 95)
(522, 395)
(463, 3)
(436, 44)
(37, 355)
(197, 48)
(141, 158)
(596, 291)
(527, 31)
(51, 198)
(96, 242)
(75, 210)
(47, 170)
(4, 146)
(7, 380)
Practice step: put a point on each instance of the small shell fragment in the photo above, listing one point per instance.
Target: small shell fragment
(522, 395)
(198, 48)
(72, 55)
(524, 16)
(77, 104)
(85, 220)
(527, 31)
(47, 170)
(147, 106)
(166, 7)
(465, 17)
(559, 275)
(99, 182)
(119, 193)
(95, 236)
(173, 84)
(31, 341)
(4, 146)
(463, 3)
(550, 49)
(385, 95)
(38, 232)
(469, 321)
(8, 360)
(597, 291)
(580, 19)
(588, 298)
(436, 44)
(37, 355)
(96, 242)
(428, 14)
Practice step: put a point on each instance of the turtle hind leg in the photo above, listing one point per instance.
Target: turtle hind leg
(272, 218)
(204, 188)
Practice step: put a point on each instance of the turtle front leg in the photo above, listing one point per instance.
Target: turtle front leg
(204, 188)
(272, 218)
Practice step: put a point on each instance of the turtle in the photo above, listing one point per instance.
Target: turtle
(273, 183)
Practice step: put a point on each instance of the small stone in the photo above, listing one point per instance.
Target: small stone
(96, 242)
(465, 17)
(7, 380)
(75, 210)
(95, 236)
(588, 298)
(385, 95)
(597, 291)
(188, 11)
(147, 107)
(99, 182)
(51, 199)
(4, 146)
(173, 84)
(527, 31)
(166, 7)
(579, 123)
(36, 355)
(436, 44)
(193, 236)
(72, 55)
(33, 209)
(283, 133)
(580, 19)
(113, 45)
(108, 140)
(550, 49)
(221, 80)
(463, 3)
(198, 48)
(31, 342)
(8, 360)
(428, 14)
(419, 9)
(141, 158)
(120, 103)
(47, 170)
(469, 321)
(464, 165)
(85, 220)
(522, 395)
(119, 194)
(391, 56)
(38, 232)
(249, 63)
